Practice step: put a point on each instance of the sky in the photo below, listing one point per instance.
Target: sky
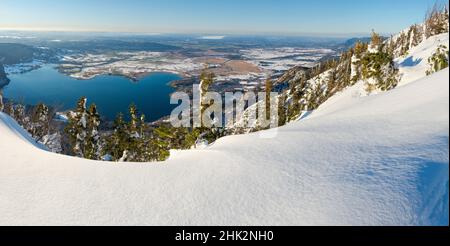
(287, 17)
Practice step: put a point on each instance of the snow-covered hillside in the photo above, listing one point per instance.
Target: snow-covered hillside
(375, 160)
(415, 64)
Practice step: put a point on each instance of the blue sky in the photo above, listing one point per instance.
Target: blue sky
(289, 17)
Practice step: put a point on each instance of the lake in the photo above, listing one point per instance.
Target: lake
(111, 94)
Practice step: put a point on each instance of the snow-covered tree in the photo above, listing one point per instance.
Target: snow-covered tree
(358, 51)
(135, 137)
(282, 111)
(131, 141)
(77, 128)
(269, 87)
(93, 148)
(378, 67)
(40, 122)
(436, 21)
(206, 80)
(439, 60)
(117, 143)
(376, 43)
(19, 114)
(9, 109)
(297, 92)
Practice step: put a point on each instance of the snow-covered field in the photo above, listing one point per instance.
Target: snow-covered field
(131, 64)
(375, 160)
(23, 67)
(282, 59)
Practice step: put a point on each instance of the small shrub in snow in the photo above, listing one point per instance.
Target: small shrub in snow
(439, 60)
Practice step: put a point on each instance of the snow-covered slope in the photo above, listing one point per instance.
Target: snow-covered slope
(375, 160)
(415, 64)
(14, 132)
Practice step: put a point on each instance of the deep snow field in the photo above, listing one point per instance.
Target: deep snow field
(358, 160)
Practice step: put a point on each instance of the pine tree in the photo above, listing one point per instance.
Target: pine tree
(331, 83)
(20, 116)
(40, 119)
(282, 114)
(376, 41)
(404, 44)
(117, 142)
(417, 35)
(144, 145)
(315, 97)
(9, 109)
(93, 149)
(381, 68)
(190, 139)
(134, 148)
(134, 120)
(267, 99)
(439, 60)
(297, 92)
(206, 80)
(436, 21)
(76, 128)
(356, 68)
(344, 70)
(161, 143)
(130, 141)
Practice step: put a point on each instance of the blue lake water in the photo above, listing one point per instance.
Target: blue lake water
(111, 94)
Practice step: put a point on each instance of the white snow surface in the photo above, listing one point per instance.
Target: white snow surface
(415, 64)
(375, 160)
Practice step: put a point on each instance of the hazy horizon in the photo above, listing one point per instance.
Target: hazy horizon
(324, 18)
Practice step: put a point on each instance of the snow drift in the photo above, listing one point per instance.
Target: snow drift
(376, 160)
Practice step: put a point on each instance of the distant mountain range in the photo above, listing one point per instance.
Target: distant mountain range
(351, 42)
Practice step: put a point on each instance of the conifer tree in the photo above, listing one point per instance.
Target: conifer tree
(376, 41)
(331, 83)
(20, 116)
(282, 114)
(144, 145)
(135, 140)
(439, 60)
(93, 147)
(436, 21)
(40, 119)
(161, 143)
(381, 68)
(358, 53)
(206, 80)
(344, 70)
(77, 128)
(9, 109)
(297, 88)
(267, 99)
(117, 142)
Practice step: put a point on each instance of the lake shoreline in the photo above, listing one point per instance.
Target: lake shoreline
(151, 92)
